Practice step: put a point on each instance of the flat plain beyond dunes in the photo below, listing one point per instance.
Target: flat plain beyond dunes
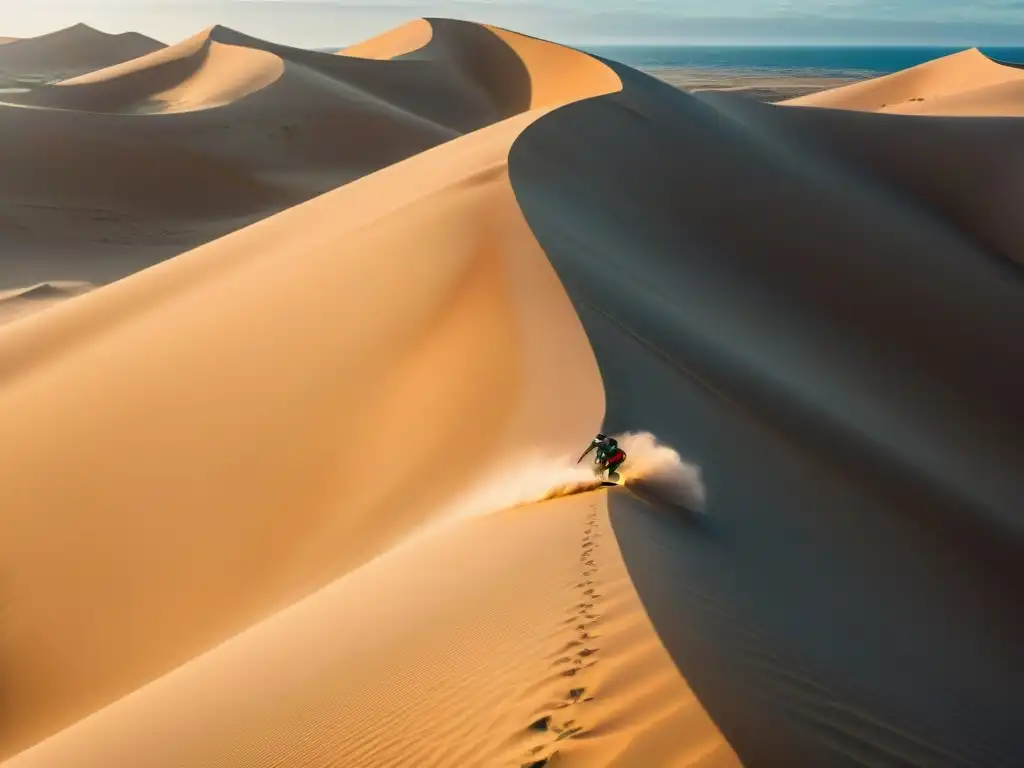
(296, 344)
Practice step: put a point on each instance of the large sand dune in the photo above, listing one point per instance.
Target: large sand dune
(965, 83)
(121, 168)
(263, 503)
(771, 291)
(445, 360)
(73, 49)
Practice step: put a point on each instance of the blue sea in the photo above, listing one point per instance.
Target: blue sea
(777, 60)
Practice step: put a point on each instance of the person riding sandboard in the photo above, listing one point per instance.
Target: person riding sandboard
(608, 456)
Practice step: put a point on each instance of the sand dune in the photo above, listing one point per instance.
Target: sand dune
(396, 42)
(471, 335)
(199, 73)
(277, 503)
(965, 83)
(469, 330)
(73, 49)
(124, 167)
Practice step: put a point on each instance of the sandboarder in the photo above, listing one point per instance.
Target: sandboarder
(608, 455)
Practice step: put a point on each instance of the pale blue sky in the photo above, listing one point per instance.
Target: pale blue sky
(338, 22)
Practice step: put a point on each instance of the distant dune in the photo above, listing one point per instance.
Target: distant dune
(268, 502)
(76, 48)
(966, 83)
(104, 183)
(35, 298)
(399, 41)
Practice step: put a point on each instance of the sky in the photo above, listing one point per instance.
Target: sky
(316, 23)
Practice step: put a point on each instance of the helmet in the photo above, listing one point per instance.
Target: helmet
(601, 437)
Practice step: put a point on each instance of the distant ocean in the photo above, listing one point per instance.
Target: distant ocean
(824, 61)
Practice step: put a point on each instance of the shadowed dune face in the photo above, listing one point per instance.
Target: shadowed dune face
(844, 369)
(964, 193)
(76, 49)
(965, 83)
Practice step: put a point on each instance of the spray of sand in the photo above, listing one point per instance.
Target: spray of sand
(660, 471)
(655, 467)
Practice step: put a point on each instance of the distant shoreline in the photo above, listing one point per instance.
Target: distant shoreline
(841, 62)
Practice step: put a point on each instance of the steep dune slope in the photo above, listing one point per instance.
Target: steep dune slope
(76, 48)
(326, 380)
(843, 364)
(968, 194)
(121, 168)
(965, 83)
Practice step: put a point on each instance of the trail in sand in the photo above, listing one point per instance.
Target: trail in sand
(409, 278)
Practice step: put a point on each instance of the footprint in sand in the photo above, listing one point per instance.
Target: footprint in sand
(577, 663)
(540, 725)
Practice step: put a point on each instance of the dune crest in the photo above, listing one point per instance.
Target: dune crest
(199, 73)
(399, 41)
(965, 83)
